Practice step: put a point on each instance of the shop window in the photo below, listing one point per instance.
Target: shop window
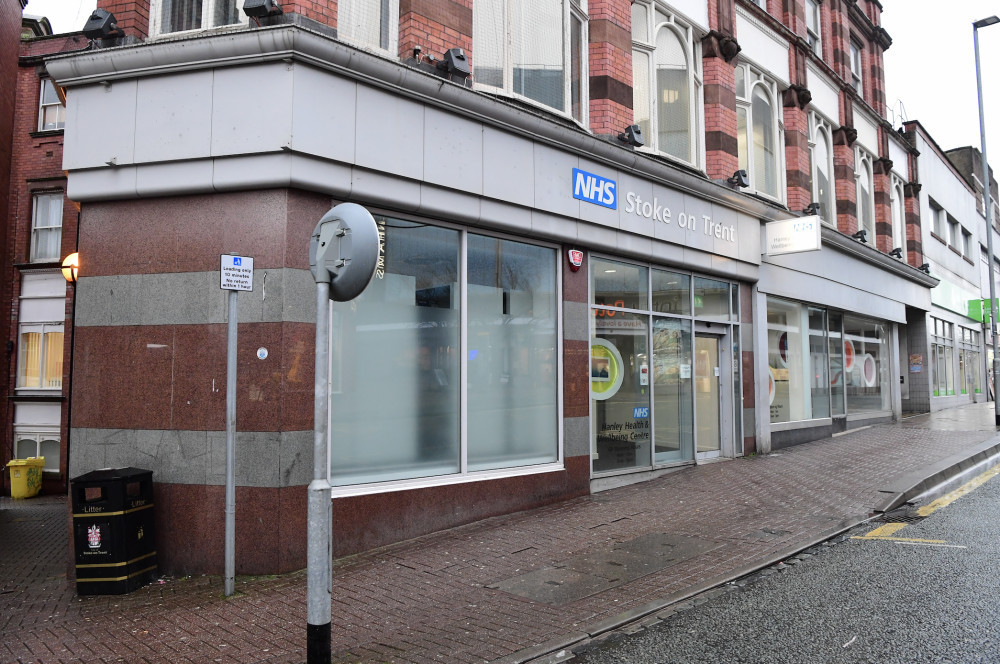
(666, 83)
(179, 15)
(373, 24)
(799, 380)
(46, 227)
(813, 29)
(838, 353)
(643, 361)
(865, 193)
(821, 154)
(29, 444)
(759, 133)
(432, 388)
(866, 365)
(970, 371)
(533, 50)
(51, 112)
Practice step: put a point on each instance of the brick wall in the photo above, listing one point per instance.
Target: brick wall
(610, 34)
(132, 16)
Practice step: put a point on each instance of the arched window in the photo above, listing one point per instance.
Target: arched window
(897, 204)
(865, 193)
(666, 83)
(821, 156)
(759, 133)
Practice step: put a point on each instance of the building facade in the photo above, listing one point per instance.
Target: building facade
(575, 287)
(41, 232)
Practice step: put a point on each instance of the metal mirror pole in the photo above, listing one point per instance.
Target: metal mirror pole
(319, 556)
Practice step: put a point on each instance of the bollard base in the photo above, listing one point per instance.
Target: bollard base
(318, 644)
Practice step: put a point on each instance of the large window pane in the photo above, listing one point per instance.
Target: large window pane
(395, 368)
(672, 402)
(866, 363)
(671, 293)
(617, 284)
(711, 299)
(787, 392)
(619, 370)
(819, 388)
(29, 372)
(640, 88)
(837, 349)
(52, 371)
(512, 358)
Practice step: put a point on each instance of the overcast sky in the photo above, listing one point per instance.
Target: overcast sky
(930, 66)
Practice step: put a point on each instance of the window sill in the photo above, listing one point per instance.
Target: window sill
(23, 394)
(938, 238)
(47, 133)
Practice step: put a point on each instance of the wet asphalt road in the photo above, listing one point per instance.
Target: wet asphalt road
(883, 601)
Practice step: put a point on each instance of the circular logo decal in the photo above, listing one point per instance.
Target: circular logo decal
(606, 369)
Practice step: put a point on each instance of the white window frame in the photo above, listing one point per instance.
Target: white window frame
(753, 79)
(820, 131)
(897, 210)
(864, 171)
(857, 67)
(208, 9)
(388, 31)
(692, 52)
(38, 433)
(60, 110)
(814, 23)
(43, 329)
(36, 225)
(572, 10)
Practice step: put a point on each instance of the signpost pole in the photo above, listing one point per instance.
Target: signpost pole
(231, 446)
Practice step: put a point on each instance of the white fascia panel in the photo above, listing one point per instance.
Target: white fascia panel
(763, 47)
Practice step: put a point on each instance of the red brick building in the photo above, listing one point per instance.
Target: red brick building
(40, 231)
(580, 285)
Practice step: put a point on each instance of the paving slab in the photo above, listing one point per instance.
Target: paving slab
(513, 588)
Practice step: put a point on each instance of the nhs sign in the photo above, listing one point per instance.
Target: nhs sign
(595, 189)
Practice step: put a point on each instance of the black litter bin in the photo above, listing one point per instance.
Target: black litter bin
(113, 537)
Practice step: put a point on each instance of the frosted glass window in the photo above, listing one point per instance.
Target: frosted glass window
(371, 23)
(512, 356)
(673, 100)
(821, 172)
(640, 90)
(396, 414)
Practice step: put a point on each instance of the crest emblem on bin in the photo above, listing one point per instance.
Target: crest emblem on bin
(94, 536)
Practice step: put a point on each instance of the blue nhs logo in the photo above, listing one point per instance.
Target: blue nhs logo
(595, 189)
(640, 412)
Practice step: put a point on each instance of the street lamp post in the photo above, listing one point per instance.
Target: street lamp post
(982, 23)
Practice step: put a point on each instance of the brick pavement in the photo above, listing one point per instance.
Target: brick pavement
(466, 594)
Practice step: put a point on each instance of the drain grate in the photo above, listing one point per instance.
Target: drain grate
(902, 515)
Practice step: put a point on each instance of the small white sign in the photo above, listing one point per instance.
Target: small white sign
(237, 273)
(261, 353)
(791, 236)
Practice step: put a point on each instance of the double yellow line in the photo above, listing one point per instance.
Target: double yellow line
(886, 532)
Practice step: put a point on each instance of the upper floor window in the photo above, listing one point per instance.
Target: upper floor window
(666, 83)
(179, 15)
(41, 314)
(821, 153)
(897, 203)
(533, 50)
(46, 227)
(370, 23)
(865, 193)
(813, 32)
(51, 112)
(759, 131)
(938, 220)
(856, 67)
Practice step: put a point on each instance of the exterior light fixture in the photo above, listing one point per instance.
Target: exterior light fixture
(812, 208)
(455, 63)
(897, 252)
(71, 267)
(861, 236)
(633, 136)
(740, 179)
(101, 25)
(926, 267)
(261, 8)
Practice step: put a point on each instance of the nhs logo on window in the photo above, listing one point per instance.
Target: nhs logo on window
(595, 189)
(640, 412)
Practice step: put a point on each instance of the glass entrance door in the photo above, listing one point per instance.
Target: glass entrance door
(707, 379)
